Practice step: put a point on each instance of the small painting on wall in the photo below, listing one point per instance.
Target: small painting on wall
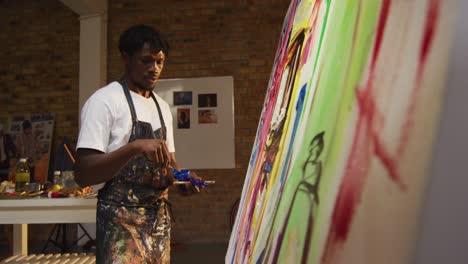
(182, 98)
(207, 100)
(207, 116)
(183, 118)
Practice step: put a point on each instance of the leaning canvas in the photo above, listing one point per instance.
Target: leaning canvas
(344, 142)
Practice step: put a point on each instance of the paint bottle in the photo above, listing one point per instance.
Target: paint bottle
(23, 175)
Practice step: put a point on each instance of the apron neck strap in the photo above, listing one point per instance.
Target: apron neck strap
(161, 118)
(123, 82)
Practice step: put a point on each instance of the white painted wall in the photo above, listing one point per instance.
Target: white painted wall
(216, 140)
(93, 55)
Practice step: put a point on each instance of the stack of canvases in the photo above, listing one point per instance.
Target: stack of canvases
(340, 160)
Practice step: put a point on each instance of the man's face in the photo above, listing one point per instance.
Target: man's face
(144, 67)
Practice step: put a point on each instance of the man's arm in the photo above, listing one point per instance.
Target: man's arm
(94, 167)
(174, 163)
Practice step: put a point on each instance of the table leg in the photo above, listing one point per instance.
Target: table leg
(20, 239)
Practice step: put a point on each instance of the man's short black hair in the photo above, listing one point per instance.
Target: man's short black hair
(136, 36)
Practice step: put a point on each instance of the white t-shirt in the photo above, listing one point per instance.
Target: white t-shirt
(106, 121)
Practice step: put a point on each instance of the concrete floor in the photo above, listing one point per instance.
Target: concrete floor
(199, 253)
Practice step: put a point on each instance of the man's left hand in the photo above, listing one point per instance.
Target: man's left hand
(188, 188)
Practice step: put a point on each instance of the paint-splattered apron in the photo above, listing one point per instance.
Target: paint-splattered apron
(133, 220)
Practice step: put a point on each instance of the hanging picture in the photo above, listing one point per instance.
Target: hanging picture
(183, 118)
(207, 116)
(183, 98)
(207, 100)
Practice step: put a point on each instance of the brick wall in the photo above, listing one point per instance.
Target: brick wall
(39, 72)
(39, 45)
(211, 38)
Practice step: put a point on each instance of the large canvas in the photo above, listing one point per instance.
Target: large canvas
(340, 160)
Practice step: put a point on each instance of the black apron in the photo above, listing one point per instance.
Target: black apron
(133, 221)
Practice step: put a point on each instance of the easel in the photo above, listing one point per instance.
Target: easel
(60, 232)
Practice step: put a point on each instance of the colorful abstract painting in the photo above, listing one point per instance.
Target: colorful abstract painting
(343, 146)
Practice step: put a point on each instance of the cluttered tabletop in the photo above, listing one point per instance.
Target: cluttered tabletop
(47, 190)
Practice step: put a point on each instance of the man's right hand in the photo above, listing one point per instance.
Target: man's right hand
(155, 150)
(94, 166)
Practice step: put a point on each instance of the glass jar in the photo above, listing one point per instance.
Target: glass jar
(23, 175)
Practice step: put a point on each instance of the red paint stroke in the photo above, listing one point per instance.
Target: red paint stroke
(353, 181)
(280, 59)
(429, 30)
(428, 36)
(314, 17)
(366, 139)
(365, 143)
(390, 163)
(385, 9)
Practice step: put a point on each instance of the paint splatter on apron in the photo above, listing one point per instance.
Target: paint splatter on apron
(133, 220)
